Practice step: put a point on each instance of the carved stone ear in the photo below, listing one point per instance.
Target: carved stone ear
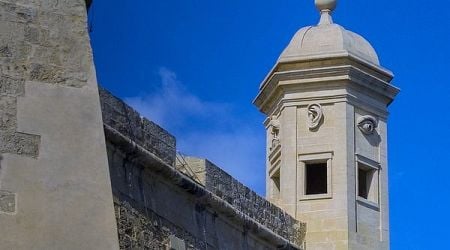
(367, 124)
(315, 115)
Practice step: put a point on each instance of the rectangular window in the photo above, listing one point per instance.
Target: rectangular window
(367, 180)
(275, 186)
(363, 183)
(316, 178)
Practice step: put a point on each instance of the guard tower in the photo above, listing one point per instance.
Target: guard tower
(326, 103)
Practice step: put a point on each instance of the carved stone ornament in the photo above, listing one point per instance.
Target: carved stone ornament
(275, 131)
(315, 116)
(367, 124)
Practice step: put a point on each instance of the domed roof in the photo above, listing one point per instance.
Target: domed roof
(328, 39)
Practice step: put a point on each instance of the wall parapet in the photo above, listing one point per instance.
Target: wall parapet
(121, 117)
(203, 197)
(149, 146)
(242, 198)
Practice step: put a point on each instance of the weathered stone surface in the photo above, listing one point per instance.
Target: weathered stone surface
(150, 192)
(8, 110)
(42, 45)
(51, 134)
(128, 122)
(44, 38)
(10, 140)
(151, 206)
(20, 143)
(5, 51)
(145, 198)
(7, 202)
(11, 87)
(147, 230)
(247, 201)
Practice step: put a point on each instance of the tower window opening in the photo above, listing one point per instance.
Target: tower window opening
(363, 183)
(367, 182)
(276, 188)
(316, 178)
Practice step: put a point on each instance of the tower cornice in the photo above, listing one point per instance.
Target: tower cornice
(325, 72)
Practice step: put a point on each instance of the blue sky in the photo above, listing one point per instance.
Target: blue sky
(194, 66)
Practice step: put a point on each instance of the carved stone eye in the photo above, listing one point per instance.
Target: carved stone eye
(367, 124)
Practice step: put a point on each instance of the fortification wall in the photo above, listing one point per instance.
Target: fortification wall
(157, 205)
(125, 120)
(244, 199)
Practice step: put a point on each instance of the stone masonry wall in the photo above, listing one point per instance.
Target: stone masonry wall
(246, 200)
(12, 141)
(155, 210)
(121, 117)
(35, 39)
(148, 230)
(37, 49)
(45, 34)
(54, 170)
(154, 213)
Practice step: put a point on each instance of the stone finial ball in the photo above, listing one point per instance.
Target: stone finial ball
(326, 4)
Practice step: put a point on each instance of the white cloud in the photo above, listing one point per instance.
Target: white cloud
(211, 130)
(172, 105)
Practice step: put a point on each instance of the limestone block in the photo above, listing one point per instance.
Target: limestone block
(11, 87)
(7, 202)
(8, 110)
(20, 143)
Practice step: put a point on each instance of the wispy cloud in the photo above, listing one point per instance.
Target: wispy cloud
(173, 106)
(211, 130)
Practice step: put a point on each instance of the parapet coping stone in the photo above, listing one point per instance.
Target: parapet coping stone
(241, 197)
(123, 118)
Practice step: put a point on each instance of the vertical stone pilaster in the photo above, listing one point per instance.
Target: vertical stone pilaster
(288, 171)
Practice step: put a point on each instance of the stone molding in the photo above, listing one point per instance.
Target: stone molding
(341, 72)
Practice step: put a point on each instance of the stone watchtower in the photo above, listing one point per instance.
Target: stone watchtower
(326, 101)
